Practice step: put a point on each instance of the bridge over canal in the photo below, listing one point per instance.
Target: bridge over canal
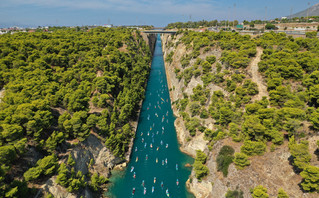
(159, 32)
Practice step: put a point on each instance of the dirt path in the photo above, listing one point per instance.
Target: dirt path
(1, 93)
(256, 77)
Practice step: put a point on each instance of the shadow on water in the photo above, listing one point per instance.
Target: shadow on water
(156, 161)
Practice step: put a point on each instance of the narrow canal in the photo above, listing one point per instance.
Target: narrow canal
(157, 166)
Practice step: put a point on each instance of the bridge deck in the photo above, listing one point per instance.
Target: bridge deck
(159, 32)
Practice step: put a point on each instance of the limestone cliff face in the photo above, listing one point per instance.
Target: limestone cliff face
(271, 170)
(91, 149)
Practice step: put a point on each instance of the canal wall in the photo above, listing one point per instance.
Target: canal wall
(150, 40)
(188, 144)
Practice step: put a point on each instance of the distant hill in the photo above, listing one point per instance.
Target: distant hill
(313, 11)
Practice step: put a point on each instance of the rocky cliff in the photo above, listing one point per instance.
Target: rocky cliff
(272, 170)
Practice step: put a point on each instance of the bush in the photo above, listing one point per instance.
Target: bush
(234, 194)
(211, 59)
(241, 160)
(45, 166)
(300, 153)
(224, 159)
(200, 169)
(252, 148)
(282, 193)
(310, 177)
(260, 192)
(194, 108)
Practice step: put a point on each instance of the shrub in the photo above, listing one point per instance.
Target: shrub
(211, 59)
(282, 193)
(310, 177)
(252, 148)
(260, 192)
(241, 160)
(200, 169)
(300, 153)
(45, 166)
(224, 159)
(234, 194)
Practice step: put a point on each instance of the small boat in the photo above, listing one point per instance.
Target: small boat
(145, 145)
(142, 140)
(177, 182)
(134, 175)
(163, 162)
(148, 133)
(142, 134)
(136, 159)
(143, 183)
(151, 145)
(146, 157)
(176, 166)
(161, 142)
(167, 193)
(166, 161)
(154, 180)
(166, 145)
(162, 185)
(162, 128)
(133, 191)
(157, 148)
(135, 149)
(144, 190)
(132, 168)
(152, 189)
(156, 160)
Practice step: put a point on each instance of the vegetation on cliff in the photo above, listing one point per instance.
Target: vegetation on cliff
(60, 86)
(287, 110)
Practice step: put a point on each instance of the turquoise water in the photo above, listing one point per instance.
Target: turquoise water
(155, 153)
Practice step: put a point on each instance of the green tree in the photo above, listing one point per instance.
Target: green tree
(310, 177)
(282, 193)
(211, 59)
(252, 148)
(224, 159)
(300, 153)
(241, 160)
(234, 194)
(260, 192)
(71, 161)
(270, 26)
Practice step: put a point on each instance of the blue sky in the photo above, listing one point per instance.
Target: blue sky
(144, 12)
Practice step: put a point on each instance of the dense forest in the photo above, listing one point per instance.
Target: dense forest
(60, 86)
(286, 112)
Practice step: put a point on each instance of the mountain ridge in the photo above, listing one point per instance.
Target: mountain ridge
(312, 11)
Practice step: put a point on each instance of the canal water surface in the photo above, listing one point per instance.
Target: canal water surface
(157, 166)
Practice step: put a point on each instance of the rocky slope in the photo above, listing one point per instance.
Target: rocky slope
(272, 170)
(94, 149)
